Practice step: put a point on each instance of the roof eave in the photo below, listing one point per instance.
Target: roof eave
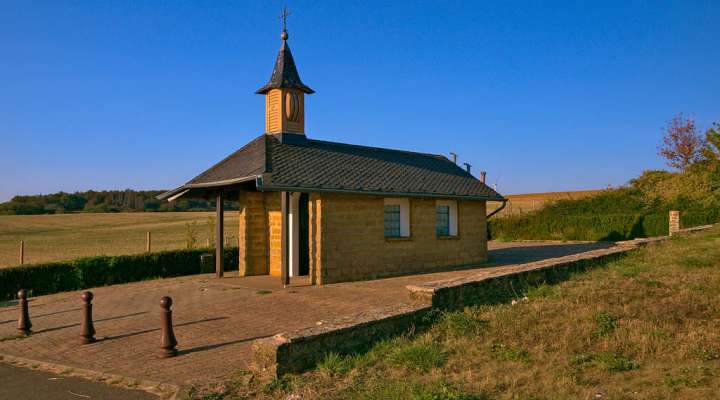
(187, 186)
(170, 193)
(272, 85)
(281, 188)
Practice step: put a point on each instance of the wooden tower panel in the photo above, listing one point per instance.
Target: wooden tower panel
(285, 111)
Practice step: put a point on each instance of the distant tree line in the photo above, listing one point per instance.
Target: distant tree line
(102, 201)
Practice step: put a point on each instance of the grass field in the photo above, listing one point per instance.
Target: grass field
(67, 236)
(643, 327)
(523, 203)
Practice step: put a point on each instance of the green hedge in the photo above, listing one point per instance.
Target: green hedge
(90, 272)
(612, 227)
(690, 219)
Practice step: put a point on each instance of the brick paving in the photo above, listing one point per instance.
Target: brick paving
(216, 321)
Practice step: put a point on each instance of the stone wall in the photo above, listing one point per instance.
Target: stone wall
(297, 351)
(507, 283)
(314, 233)
(347, 239)
(252, 235)
(260, 233)
(274, 232)
(354, 246)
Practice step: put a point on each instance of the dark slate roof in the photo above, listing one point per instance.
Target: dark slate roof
(285, 74)
(316, 166)
(246, 162)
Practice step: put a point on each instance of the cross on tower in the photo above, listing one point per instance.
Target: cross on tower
(283, 16)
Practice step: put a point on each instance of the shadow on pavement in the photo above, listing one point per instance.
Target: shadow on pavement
(120, 316)
(125, 335)
(526, 254)
(218, 345)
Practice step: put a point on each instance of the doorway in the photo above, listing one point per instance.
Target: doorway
(300, 235)
(304, 242)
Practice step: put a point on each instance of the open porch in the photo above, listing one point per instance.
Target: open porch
(274, 228)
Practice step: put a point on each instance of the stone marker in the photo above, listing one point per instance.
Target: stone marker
(88, 329)
(674, 218)
(24, 323)
(168, 336)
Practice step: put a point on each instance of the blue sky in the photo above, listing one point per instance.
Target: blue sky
(543, 95)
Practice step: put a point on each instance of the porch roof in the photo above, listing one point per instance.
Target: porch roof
(309, 165)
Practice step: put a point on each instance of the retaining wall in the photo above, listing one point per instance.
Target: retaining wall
(300, 350)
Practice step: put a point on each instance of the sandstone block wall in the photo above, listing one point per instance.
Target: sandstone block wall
(347, 238)
(274, 232)
(315, 236)
(252, 237)
(260, 233)
(354, 247)
(674, 219)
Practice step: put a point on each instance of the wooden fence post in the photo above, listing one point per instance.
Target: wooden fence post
(147, 242)
(22, 252)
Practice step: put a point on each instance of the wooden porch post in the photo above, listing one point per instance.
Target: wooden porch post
(285, 241)
(219, 232)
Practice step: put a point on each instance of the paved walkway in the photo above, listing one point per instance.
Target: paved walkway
(22, 383)
(215, 320)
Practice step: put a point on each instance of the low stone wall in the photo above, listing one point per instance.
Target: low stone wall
(694, 229)
(301, 350)
(504, 284)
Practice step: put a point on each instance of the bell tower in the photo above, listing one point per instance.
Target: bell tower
(285, 93)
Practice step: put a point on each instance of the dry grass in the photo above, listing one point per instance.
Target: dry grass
(523, 203)
(644, 327)
(67, 236)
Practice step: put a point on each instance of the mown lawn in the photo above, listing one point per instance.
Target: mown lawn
(644, 327)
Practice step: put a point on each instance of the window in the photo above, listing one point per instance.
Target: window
(397, 218)
(443, 220)
(392, 220)
(446, 218)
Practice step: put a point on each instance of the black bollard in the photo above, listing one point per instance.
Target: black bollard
(88, 329)
(168, 336)
(24, 323)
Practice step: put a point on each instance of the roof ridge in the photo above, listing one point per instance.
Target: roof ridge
(381, 148)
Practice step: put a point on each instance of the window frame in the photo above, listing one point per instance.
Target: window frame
(404, 206)
(442, 220)
(452, 218)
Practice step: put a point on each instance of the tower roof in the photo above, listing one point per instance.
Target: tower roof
(285, 74)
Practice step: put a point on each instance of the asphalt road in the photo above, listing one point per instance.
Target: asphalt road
(27, 384)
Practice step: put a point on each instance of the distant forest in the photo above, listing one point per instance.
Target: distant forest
(101, 202)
